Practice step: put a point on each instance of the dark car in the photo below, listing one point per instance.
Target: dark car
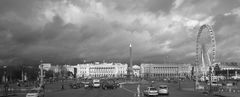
(108, 84)
(71, 85)
(87, 84)
(116, 85)
(76, 85)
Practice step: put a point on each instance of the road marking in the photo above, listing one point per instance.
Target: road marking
(128, 90)
(138, 91)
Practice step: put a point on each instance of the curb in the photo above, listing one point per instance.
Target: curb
(230, 90)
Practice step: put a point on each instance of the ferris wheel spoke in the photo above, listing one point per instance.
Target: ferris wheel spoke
(205, 48)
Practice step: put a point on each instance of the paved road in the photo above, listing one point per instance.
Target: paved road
(173, 88)
(129, 90)
(89, 93)
(125, 91)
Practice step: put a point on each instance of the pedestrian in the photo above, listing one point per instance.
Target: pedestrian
(62, 87)
(43, 86)
(6, 86)
(18, 84)
(152, 83)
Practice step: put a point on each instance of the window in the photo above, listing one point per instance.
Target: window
(153, 89)
(163, 87)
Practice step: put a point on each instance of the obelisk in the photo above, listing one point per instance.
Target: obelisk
(130, 63)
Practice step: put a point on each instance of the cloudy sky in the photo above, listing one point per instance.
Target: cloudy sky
(102, 29)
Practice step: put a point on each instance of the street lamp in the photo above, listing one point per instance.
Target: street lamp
(179, 80)
(22, 67)
(5, 73)
(41, 73)
(5, 81)
(210, 79)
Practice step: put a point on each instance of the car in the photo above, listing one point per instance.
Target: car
(87, 84)
(36, 92)
(117, 85)
(236, 77)
(229, 84)
(200, 87)
(96, 83)
(108, 84)
(76, 85)
(80, 85)
(72, 85)
(204, 78)
(150, 91)
(163, 90)
(214, 83)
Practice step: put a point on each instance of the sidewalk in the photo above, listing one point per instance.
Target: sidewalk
(50, 87)
(234, 91)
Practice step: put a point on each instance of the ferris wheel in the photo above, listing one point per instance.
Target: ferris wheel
(205, 48)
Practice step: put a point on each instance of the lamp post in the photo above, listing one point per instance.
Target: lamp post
(227, 74)
(210, 79)
(5, 73)
(41, 73)
(179, 80)
(62, 77)
(196, 78)
(5, 81)
(22, 75)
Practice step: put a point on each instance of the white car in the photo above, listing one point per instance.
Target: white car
(163, 89)
(235, 77)
(215, 84)
(204, 78)
(35, 92)
(200, 87)
(150, 91)
(86, 84)
(229, 84)
(96, 83)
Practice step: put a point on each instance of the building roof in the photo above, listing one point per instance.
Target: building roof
(229, 66)
(136, 67)
(161, 65)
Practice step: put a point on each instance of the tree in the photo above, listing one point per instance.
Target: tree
(217, 69)
(48, 74)
(63, 72)
(69, 73)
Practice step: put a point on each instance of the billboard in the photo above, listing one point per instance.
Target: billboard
(46, 66)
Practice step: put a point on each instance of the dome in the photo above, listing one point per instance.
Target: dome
(136, 67)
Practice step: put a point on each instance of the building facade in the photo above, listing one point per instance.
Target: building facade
(117, 70)
(99, 70)
(136, 70)
(164, 70)
(228, 69)
(185, 69)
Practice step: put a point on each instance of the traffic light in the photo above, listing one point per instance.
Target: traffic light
(75, 72)
(192, 71)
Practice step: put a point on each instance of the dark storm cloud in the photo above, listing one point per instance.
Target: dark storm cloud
(222, 21)
(154, 6)
(159, 5)
(21, 7)
(225, 6)
(60, 30)
(227, 38)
